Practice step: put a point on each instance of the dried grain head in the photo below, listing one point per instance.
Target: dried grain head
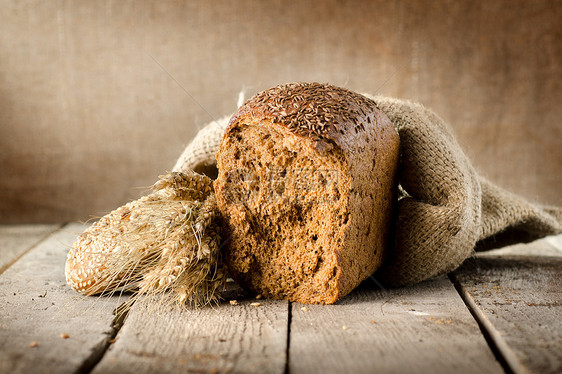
(165, 243)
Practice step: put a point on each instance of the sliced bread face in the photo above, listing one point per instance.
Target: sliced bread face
(305, 188)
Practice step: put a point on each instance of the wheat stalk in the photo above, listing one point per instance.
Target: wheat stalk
(165, 244)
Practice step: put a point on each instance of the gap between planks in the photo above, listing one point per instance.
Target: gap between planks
(17, 240)
(516, 300)
(498, 345)
(99, 350)
(36, 304)
(288, 343)
(418, 329)
(241, 338)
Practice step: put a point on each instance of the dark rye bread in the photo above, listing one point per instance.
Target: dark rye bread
(306, 187)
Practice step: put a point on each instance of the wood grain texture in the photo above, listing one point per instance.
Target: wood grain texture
(421, 329)
(87, 115)
(424, 328)
(15, 240)
(521, 298)
(37, 305)
(226, 339)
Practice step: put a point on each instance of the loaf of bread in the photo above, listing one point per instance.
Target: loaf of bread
(305, 189)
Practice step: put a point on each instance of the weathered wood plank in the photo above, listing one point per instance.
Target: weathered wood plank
(36, 305)
(520, 301)
(421, 329)
(16, 239)
(228, 338)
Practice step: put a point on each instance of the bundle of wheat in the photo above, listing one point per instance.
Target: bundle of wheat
(165, 243)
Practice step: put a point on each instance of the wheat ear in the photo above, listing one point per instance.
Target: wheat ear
(164, 244)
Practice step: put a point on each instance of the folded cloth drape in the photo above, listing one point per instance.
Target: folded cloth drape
(444, 207)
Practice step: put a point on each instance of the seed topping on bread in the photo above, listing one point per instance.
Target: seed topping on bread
(314, 110)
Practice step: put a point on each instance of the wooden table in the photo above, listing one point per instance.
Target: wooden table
(500, 312)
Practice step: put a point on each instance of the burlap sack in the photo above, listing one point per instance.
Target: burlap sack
(445, 207)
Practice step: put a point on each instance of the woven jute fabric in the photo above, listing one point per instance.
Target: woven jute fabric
(444, 207)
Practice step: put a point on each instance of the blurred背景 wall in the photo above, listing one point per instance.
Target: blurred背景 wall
(92, 107)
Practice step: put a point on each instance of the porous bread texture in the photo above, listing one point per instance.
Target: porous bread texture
(305, 189)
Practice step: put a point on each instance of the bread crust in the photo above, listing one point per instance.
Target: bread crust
(322, 113)
(349, 131)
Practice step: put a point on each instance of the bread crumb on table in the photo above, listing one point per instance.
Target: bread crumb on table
(64, 335)
(304, 309)
(255, 304)
(344, 327)
(233, 302)
(33, 344)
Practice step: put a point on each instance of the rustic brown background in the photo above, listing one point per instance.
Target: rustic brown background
(88, 116)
